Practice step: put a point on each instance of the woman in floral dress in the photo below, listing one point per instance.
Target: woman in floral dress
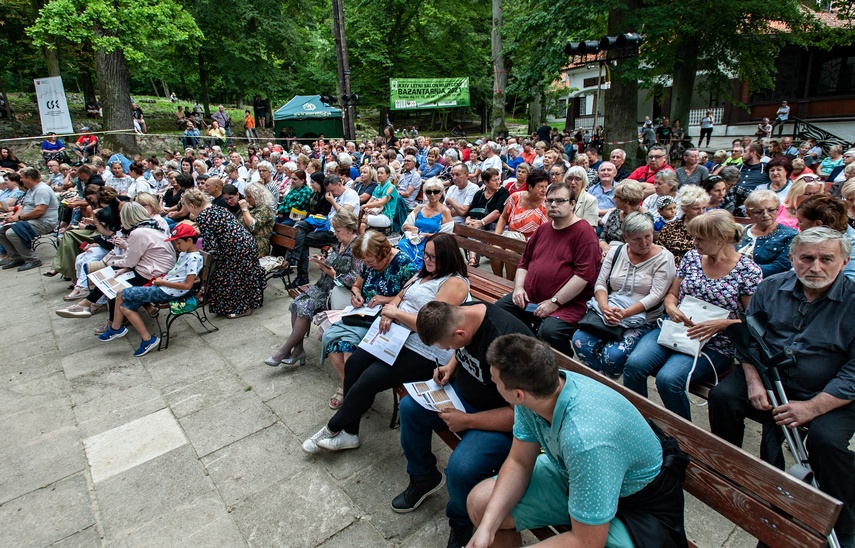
(339, 267)
(236, 287)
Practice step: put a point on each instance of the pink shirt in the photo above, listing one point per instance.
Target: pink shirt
(148, 253)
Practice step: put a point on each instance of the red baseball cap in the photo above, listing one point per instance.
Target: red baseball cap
(182, 230)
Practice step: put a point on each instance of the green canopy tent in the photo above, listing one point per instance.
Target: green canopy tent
(309, 117)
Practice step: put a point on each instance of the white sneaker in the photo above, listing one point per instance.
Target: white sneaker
(340, 441)
(310, 446)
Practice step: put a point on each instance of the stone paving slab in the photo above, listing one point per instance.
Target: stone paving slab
(199, 444)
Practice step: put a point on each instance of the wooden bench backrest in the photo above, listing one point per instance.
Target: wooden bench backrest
(283, 236)
(482, 242)
(769, 504)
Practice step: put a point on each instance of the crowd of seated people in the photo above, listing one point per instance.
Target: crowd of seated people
(610, 252)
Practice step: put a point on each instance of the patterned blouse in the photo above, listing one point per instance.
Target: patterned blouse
(389, 281)
(725, 292)
(675, 238)
(522, 219)
(261, 229)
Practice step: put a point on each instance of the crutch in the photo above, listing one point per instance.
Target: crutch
(768, 368)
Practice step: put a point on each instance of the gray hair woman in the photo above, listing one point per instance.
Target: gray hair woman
(628, 196)
(766, 241)
(258, 215)
(665, 183)
(633, 282)
(674, 236)
(586, 205)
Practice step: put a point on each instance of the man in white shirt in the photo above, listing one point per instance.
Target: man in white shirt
(409, 182)
(459, 195)
(490, 152)
(339, 196)
(236, 160)
(781, 117)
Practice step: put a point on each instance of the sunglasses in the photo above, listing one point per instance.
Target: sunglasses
(429, 192)
(811, 178)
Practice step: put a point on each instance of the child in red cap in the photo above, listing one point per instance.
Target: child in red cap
(174, 284)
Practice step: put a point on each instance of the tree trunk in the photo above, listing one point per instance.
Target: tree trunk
(154, 87)
(85, 68)
(51, 54)
(6, 106)
(685, 69)
(500, 74)
(620, 104)
(114, 80)
(165, 88)
(535, 111)
(203, 85)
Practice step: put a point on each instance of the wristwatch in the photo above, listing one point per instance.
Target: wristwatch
(554, 300)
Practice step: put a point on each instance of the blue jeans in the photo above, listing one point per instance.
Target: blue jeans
(478, 456)
(671, 370)
(607, 356)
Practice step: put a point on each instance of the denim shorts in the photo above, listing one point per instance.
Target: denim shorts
(135, 297)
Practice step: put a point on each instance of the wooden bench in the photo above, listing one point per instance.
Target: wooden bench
(770, 505)
(485, 285)
(200, 292)
(282, 240)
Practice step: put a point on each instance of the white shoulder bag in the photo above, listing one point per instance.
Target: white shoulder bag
(673, 334)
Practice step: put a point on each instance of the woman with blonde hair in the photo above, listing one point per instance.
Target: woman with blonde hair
(712, 272)
(257, 215)
(628, 197)
(801, 189)
(426, 220)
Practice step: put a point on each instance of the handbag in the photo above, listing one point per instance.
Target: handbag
(673, 335)
(593, 323)
(338, 298)
(478, 213)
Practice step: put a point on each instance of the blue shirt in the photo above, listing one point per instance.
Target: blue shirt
(512, 164)
(605, 199)
(600, 444)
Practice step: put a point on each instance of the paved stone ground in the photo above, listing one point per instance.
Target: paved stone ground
(198, 444)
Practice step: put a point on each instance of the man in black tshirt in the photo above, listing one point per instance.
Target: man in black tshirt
(485, 427)
(543, 133)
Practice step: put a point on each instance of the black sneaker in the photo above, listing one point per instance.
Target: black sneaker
(417, 492)
(459, 536)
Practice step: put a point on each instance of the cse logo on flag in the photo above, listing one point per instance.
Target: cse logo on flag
(52, 105)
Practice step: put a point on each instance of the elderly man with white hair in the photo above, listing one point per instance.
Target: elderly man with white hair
(804, 306)
(490, 151)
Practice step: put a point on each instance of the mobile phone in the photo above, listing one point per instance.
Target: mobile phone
(531, 307)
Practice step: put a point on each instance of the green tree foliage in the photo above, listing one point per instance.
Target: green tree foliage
(429, 39)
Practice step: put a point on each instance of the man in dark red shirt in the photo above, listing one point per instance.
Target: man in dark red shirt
(555, 278)
(657, 160)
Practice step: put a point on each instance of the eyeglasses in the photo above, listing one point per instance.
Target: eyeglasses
(799, 321)
(429, 192)
(655, 156)
(573, 178)
(428, 256)
(557, 201)
(769, 210)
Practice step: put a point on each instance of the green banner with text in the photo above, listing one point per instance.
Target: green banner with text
(418, 93)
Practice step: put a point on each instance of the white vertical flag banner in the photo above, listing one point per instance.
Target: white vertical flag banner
(53, 108)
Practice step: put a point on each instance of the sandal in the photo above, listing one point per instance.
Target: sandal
(50, 273)
(337, 399)
(233, 316)
(475, 261)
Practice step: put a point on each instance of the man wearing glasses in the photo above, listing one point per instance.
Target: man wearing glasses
(557, 272)
(657, 160)
(805, 306)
